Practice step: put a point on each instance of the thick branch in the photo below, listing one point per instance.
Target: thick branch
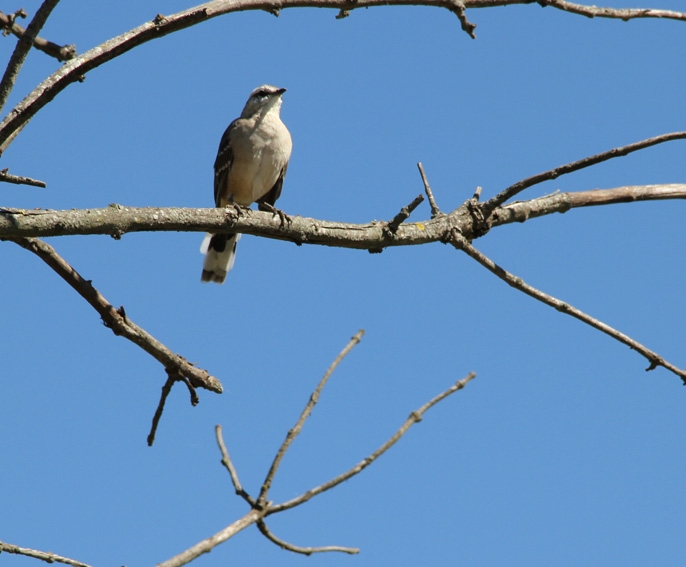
(42, 555)
(117, 320)
(116, 220)
(654, 359)
(74, 70)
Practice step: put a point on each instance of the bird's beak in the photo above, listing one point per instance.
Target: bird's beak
(280, 91)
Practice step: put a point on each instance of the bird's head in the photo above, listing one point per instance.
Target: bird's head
(263, 99)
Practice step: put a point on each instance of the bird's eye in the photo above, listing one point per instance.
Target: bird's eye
(262, 94)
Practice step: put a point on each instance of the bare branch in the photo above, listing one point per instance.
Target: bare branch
(75, 69)
(226, 461)
(42, 555)
(414, 417)
(22, 49)
(625, 14)
(559, 202)
(173, 376)
(207, 545)
(18, 180)
(404, 214)
(293, 433)
(59, 52)
(435, 211)
(117, 320)
(304, 550)
(461, 243)
(518, 187)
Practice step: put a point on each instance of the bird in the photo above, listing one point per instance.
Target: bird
(251, 164)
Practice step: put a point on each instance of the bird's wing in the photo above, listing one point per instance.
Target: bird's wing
(222, 165)
(274, 193)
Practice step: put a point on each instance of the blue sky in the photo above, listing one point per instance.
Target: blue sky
(562, 451)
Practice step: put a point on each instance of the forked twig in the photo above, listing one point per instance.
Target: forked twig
(518, 187)
(461, 243)
(295, 431)
(414, 417)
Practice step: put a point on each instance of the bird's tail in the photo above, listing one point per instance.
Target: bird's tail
(220, 254)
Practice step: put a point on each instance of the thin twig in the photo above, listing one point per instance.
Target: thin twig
(19, 180)
(59, 52)
(42, 555)
(226, 461)
(166, 389)
(414, 417)
(117, 320)
(518, 187)
(404, 214)
(625, 14)
(295, 431)
(262, 526)
(655, 360)
(22, 49)
(435, 211)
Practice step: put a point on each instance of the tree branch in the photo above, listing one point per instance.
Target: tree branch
(518, 187)
(655, 360)
(59, 52)
(625, 14)
(42, 555)
(415, 417)
(262, 526)
(22, 49)
(293, 433)
(117, 220)
(76, 68)
(7, 177)
(117, 320)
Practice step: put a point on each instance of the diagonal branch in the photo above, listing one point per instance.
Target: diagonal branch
(59, 52)
(293, 433)
(461, 243)
(42, 555)
(518, 187)
(117, 320)
(415, 417)
(22, 49)
(7, 177)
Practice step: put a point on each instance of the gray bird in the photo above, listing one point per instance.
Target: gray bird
(250, 167)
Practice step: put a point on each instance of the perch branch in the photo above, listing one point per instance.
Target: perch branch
(42, 555)
(117, 320)
(414, 417)
(655, 360)
(625, 14)
(293, 433)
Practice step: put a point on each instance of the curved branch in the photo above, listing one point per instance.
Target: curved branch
(76, 68)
